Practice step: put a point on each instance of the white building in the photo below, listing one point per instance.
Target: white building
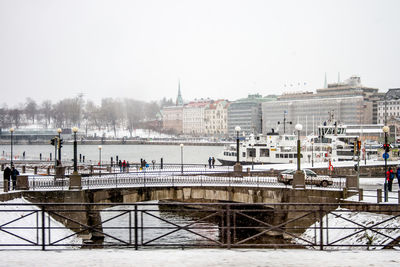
(216, 118)
(194, 117)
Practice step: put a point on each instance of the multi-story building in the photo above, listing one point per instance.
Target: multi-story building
(351, 103)
(246, 113)
(193, 117)
(172, 118)
(389, 106)
(216, 118)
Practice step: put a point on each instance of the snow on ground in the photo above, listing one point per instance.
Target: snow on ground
(344, 218)
(200, 258)
(14, 216)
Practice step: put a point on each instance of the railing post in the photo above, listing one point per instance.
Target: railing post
(43, 230)
(321, 239)
(378, 195)
(136, 227)
(228, 225)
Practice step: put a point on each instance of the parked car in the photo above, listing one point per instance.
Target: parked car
(311, 178)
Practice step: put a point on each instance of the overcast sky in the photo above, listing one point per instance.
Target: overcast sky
(53, 49)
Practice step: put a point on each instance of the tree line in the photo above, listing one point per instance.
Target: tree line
(111, 114)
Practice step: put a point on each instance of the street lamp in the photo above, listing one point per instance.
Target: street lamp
(75, 130)
(11, 132)
(182, 158)
(100, 159)
(298, 128)
(59, 144)
(237, 129)
(385, 129)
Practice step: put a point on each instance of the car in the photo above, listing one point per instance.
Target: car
(311, 178)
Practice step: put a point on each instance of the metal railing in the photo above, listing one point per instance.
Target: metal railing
(167, 178)
(222, 225)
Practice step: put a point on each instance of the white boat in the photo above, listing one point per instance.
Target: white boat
(331, 144)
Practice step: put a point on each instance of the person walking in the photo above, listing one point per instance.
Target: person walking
(123, 166)
(389, 179)
(213, 162)
(14, 174)
(209, 162)
(7, 176)
(398, 175)
(120, 165)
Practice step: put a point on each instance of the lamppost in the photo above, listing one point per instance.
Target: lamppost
(182, 158)
(11, 132)
(237, 129)
(312, 153)
(385, 129)
(59, 144)
(298, 128)
(100, 159)
(75, 130)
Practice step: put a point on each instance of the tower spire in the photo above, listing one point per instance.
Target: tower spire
(325, 83)
(179, 100)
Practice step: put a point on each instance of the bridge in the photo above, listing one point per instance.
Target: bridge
(288, 211)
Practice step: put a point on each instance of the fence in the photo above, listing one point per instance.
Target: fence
(222, 225)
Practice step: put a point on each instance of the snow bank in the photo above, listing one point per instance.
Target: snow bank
(18, 225)
(384, 228)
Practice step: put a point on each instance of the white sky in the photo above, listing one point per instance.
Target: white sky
(52, 49)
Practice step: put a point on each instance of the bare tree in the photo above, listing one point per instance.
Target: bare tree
(31, 109)
(46, 110)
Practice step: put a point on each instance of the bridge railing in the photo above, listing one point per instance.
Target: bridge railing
(179, 225)
(166, 178)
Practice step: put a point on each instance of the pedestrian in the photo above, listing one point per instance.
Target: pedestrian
(389, 179)
(23, 155)
(213, 162)
(398, 175)
(14, 174)
(123, 166)
(209, 162)
(120, 165)
(7, 176)
(127, 166)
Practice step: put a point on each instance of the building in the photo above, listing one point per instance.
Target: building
(172, 118)
(194, 117)
(216, 118)
(389, 111)
(247, 114)
(350, 101)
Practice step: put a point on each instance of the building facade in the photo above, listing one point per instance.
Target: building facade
(216, 118)
(194, 117)
(247, 114)
(350, 102)
(172, 118)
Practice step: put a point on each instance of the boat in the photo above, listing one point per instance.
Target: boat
(331, 144)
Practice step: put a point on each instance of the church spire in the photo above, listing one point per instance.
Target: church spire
(179, 100)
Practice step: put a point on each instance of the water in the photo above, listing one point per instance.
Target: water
(154, 223)
(131, 153)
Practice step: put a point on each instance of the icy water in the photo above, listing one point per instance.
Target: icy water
(131, 153)
(154, 222)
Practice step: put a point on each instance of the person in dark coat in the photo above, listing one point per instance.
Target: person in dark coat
(7, 176)
(389, 178)
(213, 162)
(14, 174)
(209, 162)
(398, 175)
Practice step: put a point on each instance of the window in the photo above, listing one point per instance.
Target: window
(264, 152)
